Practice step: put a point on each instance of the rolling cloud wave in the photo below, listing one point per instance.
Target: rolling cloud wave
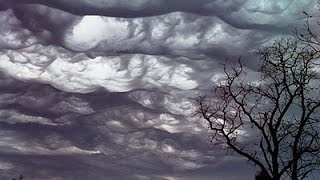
(106, 89)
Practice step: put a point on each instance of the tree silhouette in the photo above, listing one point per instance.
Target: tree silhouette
(262, 176)
(274, 121)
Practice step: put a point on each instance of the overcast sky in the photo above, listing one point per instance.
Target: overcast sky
(104, 89)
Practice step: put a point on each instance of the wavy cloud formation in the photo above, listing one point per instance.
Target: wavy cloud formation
(104, 89)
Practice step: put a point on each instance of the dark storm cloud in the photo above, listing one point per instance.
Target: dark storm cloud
(94, 89)
(93, 135)
(125, 8)
(232, 31)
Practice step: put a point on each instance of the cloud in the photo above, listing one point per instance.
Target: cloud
(43, 123)
(78, 73)
(105, 89)
(13, 35)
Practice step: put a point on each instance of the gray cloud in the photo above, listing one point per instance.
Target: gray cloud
(105, 89)
(96, 133)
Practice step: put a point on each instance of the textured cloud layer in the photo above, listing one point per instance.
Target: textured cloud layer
(41, 126)
(104, 89)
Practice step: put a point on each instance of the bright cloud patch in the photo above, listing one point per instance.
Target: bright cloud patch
(78, 73)
(81, 38)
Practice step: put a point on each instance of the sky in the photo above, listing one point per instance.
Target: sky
(105, 89)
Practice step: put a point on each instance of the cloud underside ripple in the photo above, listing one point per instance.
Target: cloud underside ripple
(93, 89)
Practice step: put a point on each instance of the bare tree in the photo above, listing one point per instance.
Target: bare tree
(274, 121)
(262, 176)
